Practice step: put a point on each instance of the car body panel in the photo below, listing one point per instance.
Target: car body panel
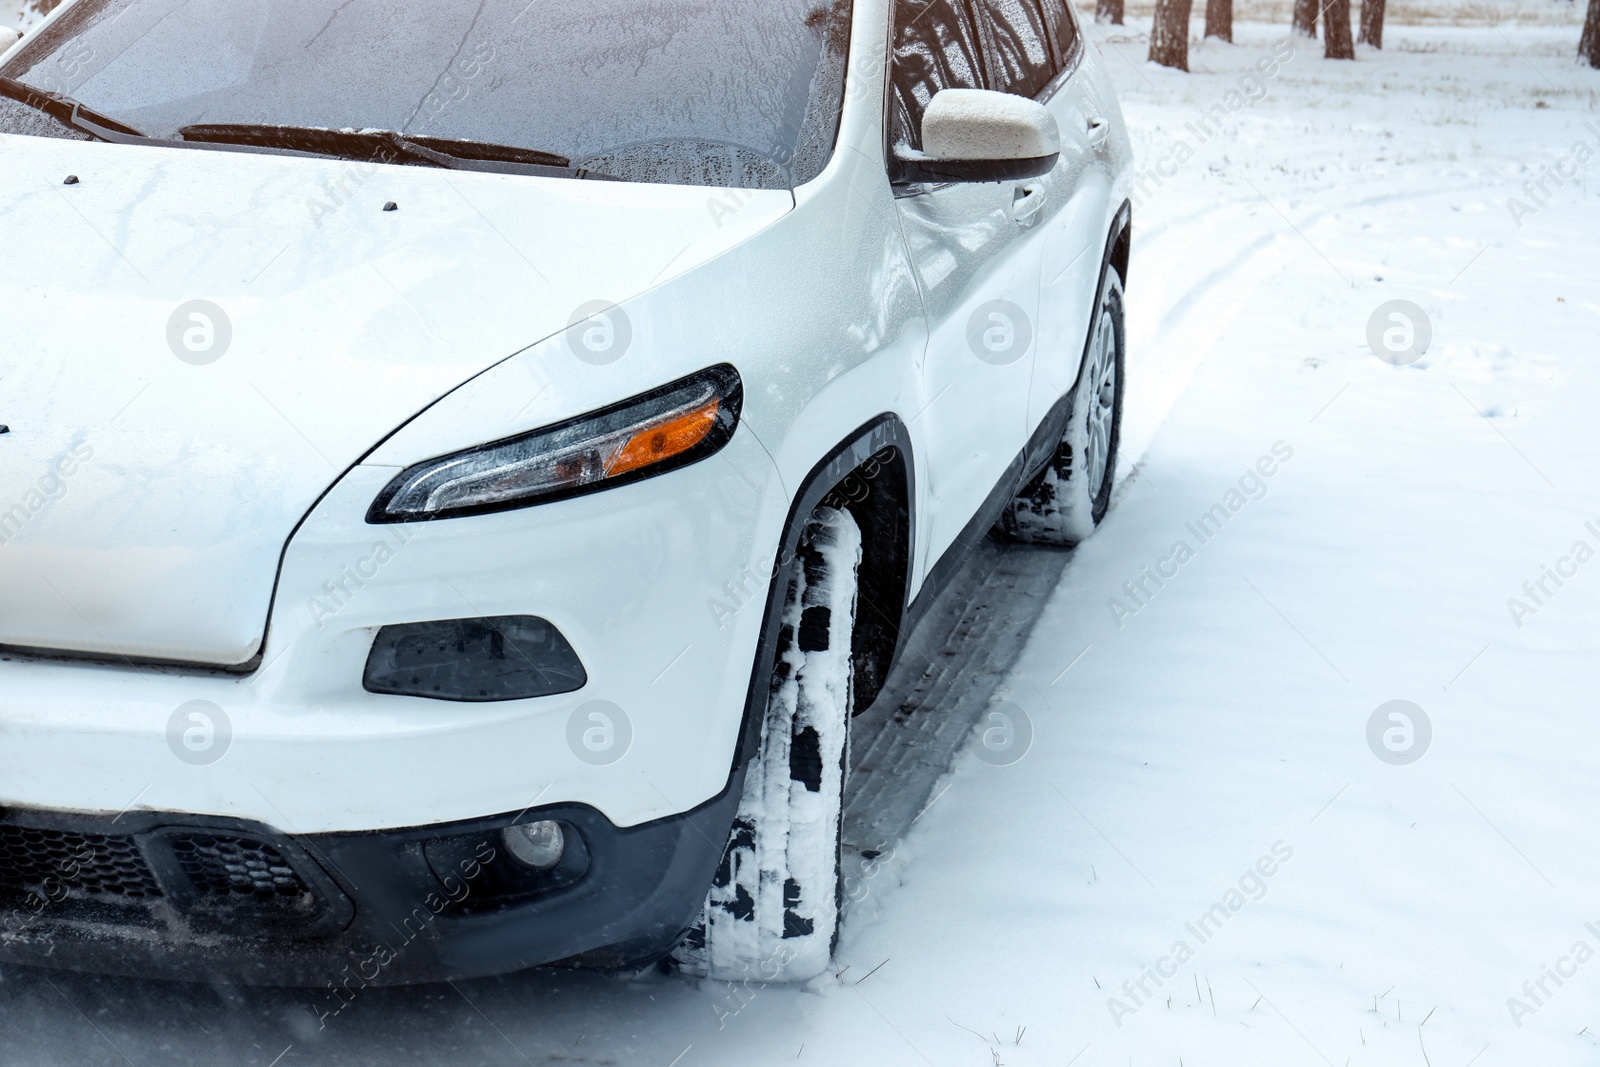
(147, 491)
(978, 269)
(1085, 191)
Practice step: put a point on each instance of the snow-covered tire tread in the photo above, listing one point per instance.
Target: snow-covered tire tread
(773, 909)
(1059, 507)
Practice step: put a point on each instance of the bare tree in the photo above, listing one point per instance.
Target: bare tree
(1219, 19)
(1589, 46)
(1108, 11)
(1372, 22)
(1305, 17)
(1336, 30)
(1169, 35)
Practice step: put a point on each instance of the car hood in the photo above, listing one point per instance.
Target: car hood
(157, 463)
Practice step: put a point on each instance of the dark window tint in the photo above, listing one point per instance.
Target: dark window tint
(1061, 30)
(1019, 59)
(1014, 46)
(689, 91)
(935, 47)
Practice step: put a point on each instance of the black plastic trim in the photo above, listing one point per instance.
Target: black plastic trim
(549, 670)
(151, 833)
(922, 169)
(393, 918)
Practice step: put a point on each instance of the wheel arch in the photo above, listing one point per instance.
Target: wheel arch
(1120, 243)
(1114, 256)
(871, 474)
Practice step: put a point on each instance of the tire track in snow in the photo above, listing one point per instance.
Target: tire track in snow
(953, 663)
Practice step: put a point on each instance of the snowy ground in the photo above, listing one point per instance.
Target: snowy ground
(1219, 721)
(15, 14)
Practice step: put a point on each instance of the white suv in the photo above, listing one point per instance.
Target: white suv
(464, 464)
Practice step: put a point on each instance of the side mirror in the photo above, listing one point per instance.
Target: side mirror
(9, 37)
(979, 135)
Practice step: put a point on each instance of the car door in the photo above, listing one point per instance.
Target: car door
(1075, 194)
(977, 257)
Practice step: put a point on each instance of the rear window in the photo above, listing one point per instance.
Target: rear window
(743, 93)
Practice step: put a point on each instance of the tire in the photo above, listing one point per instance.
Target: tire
(772, 914)
(1064, 504)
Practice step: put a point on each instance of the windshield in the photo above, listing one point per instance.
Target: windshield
(743, 93)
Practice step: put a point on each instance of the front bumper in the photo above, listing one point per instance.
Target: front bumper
(638, 579)
(190, 898)
(335, 798)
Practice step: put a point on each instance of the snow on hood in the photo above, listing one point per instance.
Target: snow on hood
(157, 463)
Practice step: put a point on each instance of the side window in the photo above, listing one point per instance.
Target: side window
(1062, 30)
(935, 47)
(1018, 57)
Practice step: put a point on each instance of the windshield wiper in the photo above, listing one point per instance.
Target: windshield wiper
(66, 110)
(491, 153)
(381, 146)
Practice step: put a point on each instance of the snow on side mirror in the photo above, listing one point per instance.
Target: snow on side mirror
(9, 37)
(979, 135)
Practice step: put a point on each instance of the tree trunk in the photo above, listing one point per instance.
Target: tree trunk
(1108, 11)
(1372, 22)
(1219, 19)
(1336, 30)
(1305, 17)
(1169, 35)
(1589, 47)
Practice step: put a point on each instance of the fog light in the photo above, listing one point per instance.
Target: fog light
(539, 845)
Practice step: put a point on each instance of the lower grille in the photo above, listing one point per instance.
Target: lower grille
(145, 871)
(238, 868)
(215, 869)
(56, 863)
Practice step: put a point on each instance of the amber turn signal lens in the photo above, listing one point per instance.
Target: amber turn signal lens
(664, 440)
(669, 427)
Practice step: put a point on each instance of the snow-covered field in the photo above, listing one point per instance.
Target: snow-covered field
(17, 15)
(1201, 859)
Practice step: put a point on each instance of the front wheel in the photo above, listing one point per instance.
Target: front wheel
(772, 913)
(1064, 504)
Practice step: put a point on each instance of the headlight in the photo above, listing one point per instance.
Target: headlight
(660, 431)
